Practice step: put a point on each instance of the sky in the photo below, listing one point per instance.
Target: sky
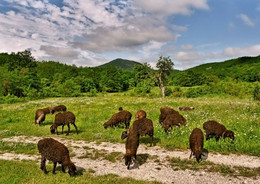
(94, 32)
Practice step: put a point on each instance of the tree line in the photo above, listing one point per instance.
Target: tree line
(22, 76)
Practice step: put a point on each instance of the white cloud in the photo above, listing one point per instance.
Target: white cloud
(187, 47)
(246, 20)
(184, 60)
(171, 7)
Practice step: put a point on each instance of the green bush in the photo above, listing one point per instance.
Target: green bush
(256, 92)
(168, 91)
(143, 87)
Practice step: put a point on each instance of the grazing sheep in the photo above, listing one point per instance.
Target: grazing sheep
(56, 152)
(59, 108)
(120, 117)
(173, 120)
(140, 114)
(213, 128)
(196, 143)
(164, 112)
(41, 113)
(131, 146)
(63, 119)
(143, 126)
(183, 108)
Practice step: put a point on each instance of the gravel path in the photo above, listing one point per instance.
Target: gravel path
(150, 170)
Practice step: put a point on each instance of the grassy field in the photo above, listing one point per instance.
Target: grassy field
(240, 115)
(17, 172)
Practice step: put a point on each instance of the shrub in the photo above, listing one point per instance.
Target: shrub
(92, 92)
(168, 91)
(143, 87)
(256, 92)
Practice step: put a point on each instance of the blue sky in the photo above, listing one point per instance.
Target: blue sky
(93, 32)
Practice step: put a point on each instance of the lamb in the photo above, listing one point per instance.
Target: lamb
(41, 113)
(196, 143)
(65, 118)
(56, 152)
(131, 146)
(122, 116)
(218, 130)
(59, 108)
(140, 114)
(143, 126)
(173, 120)
(164, 112)
(183, 108)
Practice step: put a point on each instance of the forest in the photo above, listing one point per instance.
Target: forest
(23, 77)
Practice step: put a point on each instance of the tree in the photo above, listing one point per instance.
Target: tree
(165, 66)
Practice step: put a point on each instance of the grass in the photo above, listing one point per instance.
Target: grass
(29, 149)
(241, 116)
(95, 154)
(183, 164)
(17, 172)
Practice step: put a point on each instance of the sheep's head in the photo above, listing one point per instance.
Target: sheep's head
(166, 127)
(229, 134)
(52, 128)
(105, 125)
(72, 170)
(183, 121)
(120, 108)
(124, 134)
(198, 155)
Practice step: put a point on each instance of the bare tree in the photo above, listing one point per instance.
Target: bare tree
(165, 66)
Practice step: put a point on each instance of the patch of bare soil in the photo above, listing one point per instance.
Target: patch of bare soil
(158, 169)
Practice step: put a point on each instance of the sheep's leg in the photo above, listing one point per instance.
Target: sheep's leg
(151, 144)
(68, 129)
(54, 167)
(75, 127)
(190, 155)
(217, 138)
(62, 128)
(43, 165)
(62, 168)
(207, 136)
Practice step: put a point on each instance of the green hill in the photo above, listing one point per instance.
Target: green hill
(242, 68)
(121, 63)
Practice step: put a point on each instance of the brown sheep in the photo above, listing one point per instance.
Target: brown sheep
(164, 112)
(140, 114)
(173, 120)
(41, 113)
(132, 143)
(56, 152)
(183, 108)
(213, 128)
(196, 143)
(120, 117)
(63, 119)
(59, 108)
(144, 127)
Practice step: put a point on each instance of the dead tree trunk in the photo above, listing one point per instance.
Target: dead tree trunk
(161, 84)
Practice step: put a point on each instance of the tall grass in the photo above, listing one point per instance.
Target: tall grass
(240, 115)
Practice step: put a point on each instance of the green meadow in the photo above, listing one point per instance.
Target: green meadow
(240, 115)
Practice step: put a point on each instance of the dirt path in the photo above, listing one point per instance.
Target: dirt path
(149, 170)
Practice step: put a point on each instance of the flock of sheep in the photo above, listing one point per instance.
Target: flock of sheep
(57, 152)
